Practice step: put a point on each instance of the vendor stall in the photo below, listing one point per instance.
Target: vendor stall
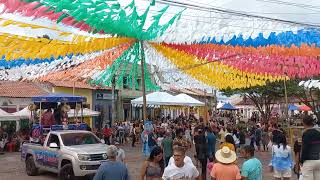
(61, 103)
(170, 105)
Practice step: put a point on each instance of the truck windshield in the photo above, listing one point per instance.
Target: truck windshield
(73, 139)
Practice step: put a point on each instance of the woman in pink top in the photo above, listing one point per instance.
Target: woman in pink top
(225, 169)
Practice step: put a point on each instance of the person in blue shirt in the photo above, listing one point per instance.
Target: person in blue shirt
(112, 169)
(252, 167)
(211, 140)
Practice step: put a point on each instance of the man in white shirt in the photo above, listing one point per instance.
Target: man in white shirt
(179, 169)
(186, 160)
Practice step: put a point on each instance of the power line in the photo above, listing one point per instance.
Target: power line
(211, 9)
(223, 24)
(253, 12)
(304, 6)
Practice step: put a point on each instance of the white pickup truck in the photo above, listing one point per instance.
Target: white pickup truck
(72, 154)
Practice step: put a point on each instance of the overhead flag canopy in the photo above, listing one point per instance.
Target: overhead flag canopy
(99, 41)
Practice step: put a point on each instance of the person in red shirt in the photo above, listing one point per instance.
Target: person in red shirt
(107, 134)
(47, 118)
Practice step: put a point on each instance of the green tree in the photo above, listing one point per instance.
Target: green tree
(263, 97)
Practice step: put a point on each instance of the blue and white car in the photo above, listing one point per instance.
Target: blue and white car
(69, 153)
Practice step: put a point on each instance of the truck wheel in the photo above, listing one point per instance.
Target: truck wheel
(31, 168)
(66, 173)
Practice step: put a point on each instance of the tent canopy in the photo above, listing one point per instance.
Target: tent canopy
(157, 98)
(228, 106)
(58, 97)
(220, 104)
(188, 100)
(23, 113)
(4, 116)
(163, 98)
(86, 112)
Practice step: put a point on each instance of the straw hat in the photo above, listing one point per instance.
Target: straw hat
(65, 108)
(225, 155)
(32, 107)
(78, 107)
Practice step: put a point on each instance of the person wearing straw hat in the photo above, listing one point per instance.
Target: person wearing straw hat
(225, 169)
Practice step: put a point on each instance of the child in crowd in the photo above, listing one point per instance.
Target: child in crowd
(252, 167)
(210, 164)
(281, 159)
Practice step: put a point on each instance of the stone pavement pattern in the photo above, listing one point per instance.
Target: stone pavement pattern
(11, 168)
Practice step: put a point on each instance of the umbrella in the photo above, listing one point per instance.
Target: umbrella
(293, 107)
(304, 108)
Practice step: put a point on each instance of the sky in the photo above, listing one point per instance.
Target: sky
(307, 11)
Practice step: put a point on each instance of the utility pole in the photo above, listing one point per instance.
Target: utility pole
(286, 97)
(144, 107)
(114, 105)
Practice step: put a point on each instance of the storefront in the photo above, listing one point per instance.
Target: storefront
(102, 102)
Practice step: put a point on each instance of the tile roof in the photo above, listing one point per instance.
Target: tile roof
(20, 89)
(78, 84)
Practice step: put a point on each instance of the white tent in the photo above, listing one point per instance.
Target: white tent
(24, 113)
(86, 112)
(310, 84)
(158, 98)
(220, 104)
(188, 100)
(4, 116)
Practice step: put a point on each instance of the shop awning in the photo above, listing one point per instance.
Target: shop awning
(58, 97)
(86, 112)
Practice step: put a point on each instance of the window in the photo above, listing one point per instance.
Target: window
(73, 139)
(138, 85)
(53, 139)
(125, 83)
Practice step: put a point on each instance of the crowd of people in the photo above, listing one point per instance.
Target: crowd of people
(217, 147)
(10, 140)
(178, 148)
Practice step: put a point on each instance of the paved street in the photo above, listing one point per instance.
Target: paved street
(11, 168)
